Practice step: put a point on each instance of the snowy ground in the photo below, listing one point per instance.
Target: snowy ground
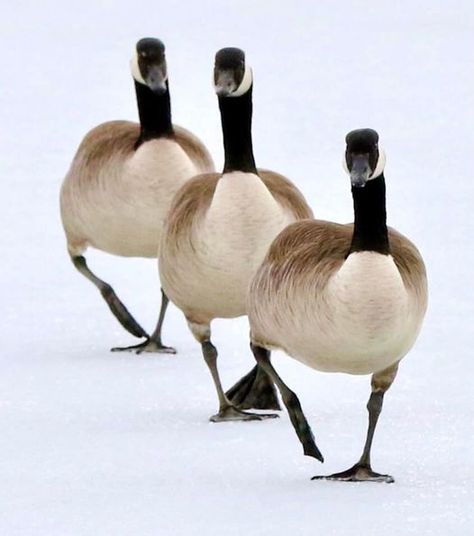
(95, 443)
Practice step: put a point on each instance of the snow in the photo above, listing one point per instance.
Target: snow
(98, 443)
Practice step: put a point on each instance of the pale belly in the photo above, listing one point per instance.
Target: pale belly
(213, 282)
(129, 229)
(353, 352)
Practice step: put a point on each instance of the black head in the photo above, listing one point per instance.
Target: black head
(149, 64)
(232, 77)
(363, 159)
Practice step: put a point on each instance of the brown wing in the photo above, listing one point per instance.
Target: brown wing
(286, 193)
(318, 248)
(189, 203)
(195, 197)
(194, 148)
(308, 248)
(117, 139)
(410, 265)
(114, 138)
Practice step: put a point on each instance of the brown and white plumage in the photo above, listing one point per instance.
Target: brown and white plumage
(342, 298)
(220, 225)
(123, 177)
(311, 300)
(218, 230)
(115, 197)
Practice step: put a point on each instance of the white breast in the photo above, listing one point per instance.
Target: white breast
(241, 222)
(368, 299)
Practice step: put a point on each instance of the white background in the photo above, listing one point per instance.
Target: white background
(95, 443)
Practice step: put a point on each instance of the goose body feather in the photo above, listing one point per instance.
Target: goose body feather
(219, 229)
(115, 197)
(357, 315)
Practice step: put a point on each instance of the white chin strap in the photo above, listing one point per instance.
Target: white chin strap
(378, 168)
(137, 75)
(245, 84)
(380, 165)
(344, 165)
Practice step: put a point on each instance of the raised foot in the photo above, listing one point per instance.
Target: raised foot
(358, 473)
(255, 390)
(146, 346)
(231, 413)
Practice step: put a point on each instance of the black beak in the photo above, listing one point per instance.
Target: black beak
(155, 80)
(360, 170)
(224, 83)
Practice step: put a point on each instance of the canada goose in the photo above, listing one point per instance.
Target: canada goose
(341, 298)
(220, 226)
(122, 179)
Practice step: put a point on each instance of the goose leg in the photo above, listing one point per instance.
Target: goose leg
(254, 390)
(119, 310)
(153, 343)
(292, 404)
(227, 411)
(362, 470)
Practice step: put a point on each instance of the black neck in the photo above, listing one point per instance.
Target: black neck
(155, 113)
(370, 218)
(236, 119)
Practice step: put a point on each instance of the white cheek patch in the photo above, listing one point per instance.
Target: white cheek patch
(344, 165)
(380, 165)
(137, 75)
(245, 84)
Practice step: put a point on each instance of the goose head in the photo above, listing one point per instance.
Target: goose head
(363, 159)
(148, 65)
(232, 75)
